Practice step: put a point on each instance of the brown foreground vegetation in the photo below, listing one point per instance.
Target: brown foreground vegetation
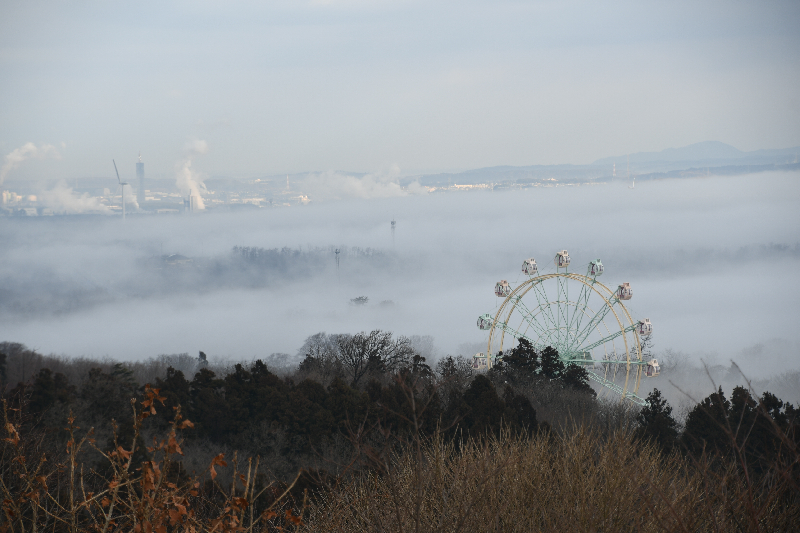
(579, 480)
(402, 447)
(150, 495)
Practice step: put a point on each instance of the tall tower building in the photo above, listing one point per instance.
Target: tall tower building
(140, 178)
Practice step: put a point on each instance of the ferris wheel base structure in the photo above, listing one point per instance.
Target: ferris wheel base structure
(590, 327)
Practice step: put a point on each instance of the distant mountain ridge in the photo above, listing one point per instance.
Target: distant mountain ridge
(686, 161)
(702, 151)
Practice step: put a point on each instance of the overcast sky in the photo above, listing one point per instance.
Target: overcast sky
(276, 87)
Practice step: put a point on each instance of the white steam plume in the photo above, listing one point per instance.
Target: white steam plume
(130, 197)
(185, 178)
(27, 151)
(334, 185)
(63, 200)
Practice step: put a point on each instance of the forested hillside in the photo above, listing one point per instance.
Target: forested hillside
(364, 419)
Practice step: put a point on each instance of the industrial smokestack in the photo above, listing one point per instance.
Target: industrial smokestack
(195, 203)
(140, 179)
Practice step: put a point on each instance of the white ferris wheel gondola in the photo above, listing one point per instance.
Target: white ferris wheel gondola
(485, 321)
(652, 369)
(596, 268)
(502, 289)
(624, 291)
(562, 259)
(529, 267)
(480, 361)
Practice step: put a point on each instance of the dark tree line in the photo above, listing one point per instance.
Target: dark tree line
(346, 384)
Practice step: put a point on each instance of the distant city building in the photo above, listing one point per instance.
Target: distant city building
(140, 178)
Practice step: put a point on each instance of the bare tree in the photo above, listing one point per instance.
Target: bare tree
(319, 346)
(319, 358)
(376, 351)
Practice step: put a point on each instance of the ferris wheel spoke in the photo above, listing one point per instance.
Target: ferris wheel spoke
(541, 294)
(544, 337)
(580, 307)
(616, 388)
(547, 313)
(594, 322)
(529, 317)
(548, 339)
(609, 338)
(610, 362)
(559, 312)
(516, 334)
(563, 307)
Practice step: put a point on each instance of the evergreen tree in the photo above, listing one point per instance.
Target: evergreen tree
(576, 377)
(519, 411)
(753, 429)
(108, 396)
(307, 419)
(418, 368)
(522, 361)
(346, 403)
(208, 409)
(656, 422)
(757, 427)
(48, 389)
(707, 425)
(552, 367)
(453, 375)
(446, 368)
(177, 391)
(482, 409)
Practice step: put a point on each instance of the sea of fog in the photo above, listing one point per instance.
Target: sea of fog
(713, 262)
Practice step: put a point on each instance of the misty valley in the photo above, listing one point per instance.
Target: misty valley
(399, 266)
(315, 367)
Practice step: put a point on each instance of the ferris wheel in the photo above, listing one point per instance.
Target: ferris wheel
(586, 321)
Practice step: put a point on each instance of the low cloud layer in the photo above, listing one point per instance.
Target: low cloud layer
(712, 264)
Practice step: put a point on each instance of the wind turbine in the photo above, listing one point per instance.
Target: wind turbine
(122, 185)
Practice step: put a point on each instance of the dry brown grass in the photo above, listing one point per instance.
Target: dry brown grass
(577, 482)
(582, 479)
